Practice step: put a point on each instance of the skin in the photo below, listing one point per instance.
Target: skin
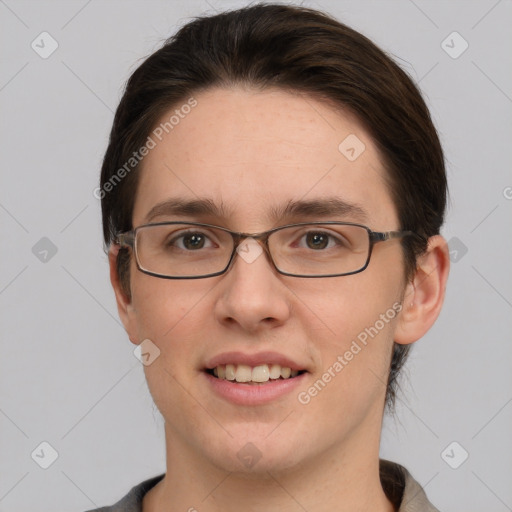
(253, 150)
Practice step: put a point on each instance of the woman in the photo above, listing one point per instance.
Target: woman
(272, 196)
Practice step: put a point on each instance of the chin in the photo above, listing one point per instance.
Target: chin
(258, 454)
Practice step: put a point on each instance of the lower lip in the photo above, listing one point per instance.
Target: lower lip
(253, 394)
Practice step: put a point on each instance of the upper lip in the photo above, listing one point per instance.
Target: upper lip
(253, 360)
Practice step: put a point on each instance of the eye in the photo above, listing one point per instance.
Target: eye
(190, 241)
(318, 240)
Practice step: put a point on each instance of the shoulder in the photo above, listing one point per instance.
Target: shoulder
(132, 502)
(402, 489)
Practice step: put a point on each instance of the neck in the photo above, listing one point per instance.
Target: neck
(340, 479)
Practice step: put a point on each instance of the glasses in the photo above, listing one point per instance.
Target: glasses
(192, 250)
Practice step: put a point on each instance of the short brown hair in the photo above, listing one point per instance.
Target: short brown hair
(293, 48)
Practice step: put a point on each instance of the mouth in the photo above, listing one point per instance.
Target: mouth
(253, 375)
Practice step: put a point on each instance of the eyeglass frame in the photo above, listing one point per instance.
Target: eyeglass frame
(128, 238)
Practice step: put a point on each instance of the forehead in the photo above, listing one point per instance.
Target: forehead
(255, 151)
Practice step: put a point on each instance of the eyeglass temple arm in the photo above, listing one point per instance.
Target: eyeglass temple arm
(389, 235)
(125, 239)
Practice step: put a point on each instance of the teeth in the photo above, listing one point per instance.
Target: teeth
(261, 373)
(275, 371)
(243, 373)
(285, 372)
(230, 372)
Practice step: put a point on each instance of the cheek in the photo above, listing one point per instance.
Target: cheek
(351, 325)
(160, 305)
(343, 307)
(174, 315)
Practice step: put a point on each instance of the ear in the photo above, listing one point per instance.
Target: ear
(124, 303)
(424, 294)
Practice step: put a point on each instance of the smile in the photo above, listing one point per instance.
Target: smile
(260, 374)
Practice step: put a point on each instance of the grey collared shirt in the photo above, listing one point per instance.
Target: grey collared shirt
(403, 491)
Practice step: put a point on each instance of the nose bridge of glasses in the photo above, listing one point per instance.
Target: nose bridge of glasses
(250, 246)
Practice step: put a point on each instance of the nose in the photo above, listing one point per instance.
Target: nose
(252, 294)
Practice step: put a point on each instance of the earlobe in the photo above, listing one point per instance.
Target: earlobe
(124, 303)
(424, 294)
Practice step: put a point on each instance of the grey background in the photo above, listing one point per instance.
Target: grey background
(68, 373)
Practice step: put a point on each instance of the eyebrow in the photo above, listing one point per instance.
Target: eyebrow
(305, 209)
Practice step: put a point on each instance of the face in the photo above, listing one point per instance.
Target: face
(254, 152)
